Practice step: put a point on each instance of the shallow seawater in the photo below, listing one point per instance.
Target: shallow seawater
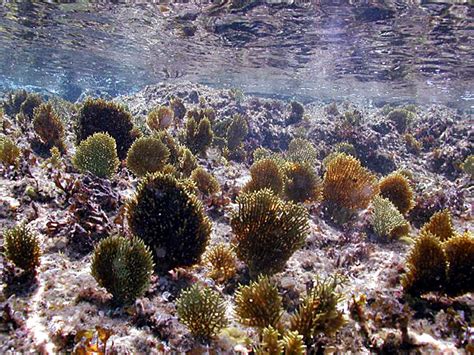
(237, 177)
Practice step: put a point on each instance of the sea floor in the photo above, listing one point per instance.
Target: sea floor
(47, 313)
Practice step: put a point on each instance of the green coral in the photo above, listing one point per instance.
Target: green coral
(236, 133)
(259, 304)
(9, 152)
(270, 345)
(48, 127)
(98, 115)
(318, 313)
(293, 343)
(22, 247)
(170, 220)
(97, 155)
(387, 221)
(302, 183)
(460, 257)
(147, 155)
(267, 231)
(187, 162)
(28, 106)
(199, 136)
(222, 261)
(302, 151)
(203, 311)
(401, 118)
(123, 267)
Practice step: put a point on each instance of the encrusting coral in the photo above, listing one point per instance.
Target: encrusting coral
(97, 155)
(48, 127)
(123, 267)
(426, 265)
(387, 221)
(440, 225)
(98, 115)
(267, 231)
(9, 152)
(160, 118)
(203, 311)
(206, 183)
(147, 155)
(460, 257)
(22, 247)
(265, 173)
(222, 261)
(302, 184)
(397, 189)
(259, 304)
(170, 220)
(318, 313)
(347, 185)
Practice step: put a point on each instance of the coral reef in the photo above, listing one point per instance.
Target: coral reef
(22, 247)
(147, 155)
(259, 304)
(440, 225)
(98, 115)
(387, 221)
(170, 220)
(267, 231)
(97, 154)
(396, 187)
(48, 126)
(426, 265)
(302, 184)
(203, 311)
(222, 261)
(265, 174)
(206, 183)
(123, 267)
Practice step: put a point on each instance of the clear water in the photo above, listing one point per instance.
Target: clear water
(376, 51)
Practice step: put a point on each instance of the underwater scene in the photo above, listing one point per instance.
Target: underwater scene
(237, 177)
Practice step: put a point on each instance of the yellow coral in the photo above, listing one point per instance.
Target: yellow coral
(302, 183)
(460, 256)
(222, 260)
(265, 173)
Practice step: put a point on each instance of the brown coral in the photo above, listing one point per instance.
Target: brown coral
(265, 173)
(48, 126)
(397, 189)
(440, 225)
(160, 118)
(302, 183)
(222, 260)
(460, 257)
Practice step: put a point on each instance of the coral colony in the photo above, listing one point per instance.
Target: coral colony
(233, 223)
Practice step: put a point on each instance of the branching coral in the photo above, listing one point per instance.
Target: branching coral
(199, 135)
(203, 311)
(301, 150)
(160, 118)
(440, 225)
(460, 256)
(397, 189)
(265, 173)
(206, 183)
(267, 231)
(259, 304)
(302, 183)
(147, 155)
(222, 260)
(387, 221)
(318, 314)
(170, 220)
(347, 185)
(123, 267)
(48, 126)
(269, 345)
(426, 265)
(98, 115)
(22, 247)
(9, 152)
(98, 155)
(293, 343)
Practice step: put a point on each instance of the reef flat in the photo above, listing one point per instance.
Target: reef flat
(304, 228)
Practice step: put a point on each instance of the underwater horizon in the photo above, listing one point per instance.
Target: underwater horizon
(369, 52)
(237, 177)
